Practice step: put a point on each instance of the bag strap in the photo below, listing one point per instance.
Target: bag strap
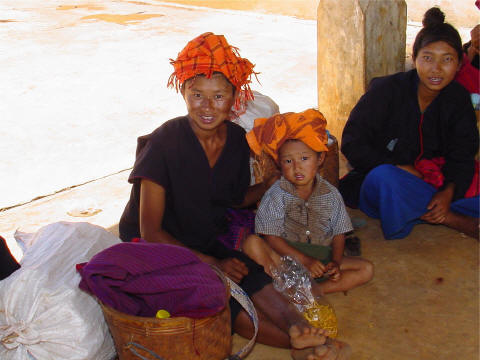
(241, 296)
(238, 294)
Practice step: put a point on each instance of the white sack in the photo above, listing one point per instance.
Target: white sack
(43, 313)
(260, 107)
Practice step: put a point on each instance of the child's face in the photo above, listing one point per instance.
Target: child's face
(436, 64)
(299, 164)
(208, 101)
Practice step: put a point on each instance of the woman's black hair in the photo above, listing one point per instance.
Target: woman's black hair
(436, 29)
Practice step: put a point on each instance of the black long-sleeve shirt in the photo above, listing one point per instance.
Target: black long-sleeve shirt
(384, 128)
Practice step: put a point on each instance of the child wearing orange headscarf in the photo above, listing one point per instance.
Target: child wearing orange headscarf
(302, 215)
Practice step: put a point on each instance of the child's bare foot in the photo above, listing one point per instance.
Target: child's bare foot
(303, 336)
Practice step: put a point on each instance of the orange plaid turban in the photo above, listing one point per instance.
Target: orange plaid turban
(209, 53)
(270, 134)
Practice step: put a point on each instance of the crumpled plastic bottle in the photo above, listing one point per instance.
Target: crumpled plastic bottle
(293, 280)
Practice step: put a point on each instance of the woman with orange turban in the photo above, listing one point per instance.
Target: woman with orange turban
(192, 169)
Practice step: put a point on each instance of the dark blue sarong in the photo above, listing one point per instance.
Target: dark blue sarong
(399, 198)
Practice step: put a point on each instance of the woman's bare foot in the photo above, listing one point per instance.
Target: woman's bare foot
(341, 350)
(306, 354)
(303, 336)
(331, 350)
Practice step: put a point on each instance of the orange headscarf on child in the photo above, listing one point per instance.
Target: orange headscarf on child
(270, 134)
(209, 53)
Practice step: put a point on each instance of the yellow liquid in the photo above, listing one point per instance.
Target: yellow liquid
(322, 316)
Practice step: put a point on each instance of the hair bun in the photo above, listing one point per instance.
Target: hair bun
(433, 16)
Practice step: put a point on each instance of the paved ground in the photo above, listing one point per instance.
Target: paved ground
(81, 80)
(80, 83)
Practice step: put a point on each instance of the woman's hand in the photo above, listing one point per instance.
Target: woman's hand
(333, 270)
(233, 268)
(439, 206)
(316, 267)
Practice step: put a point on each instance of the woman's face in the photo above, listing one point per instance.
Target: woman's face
(437, 64)
(208, 101)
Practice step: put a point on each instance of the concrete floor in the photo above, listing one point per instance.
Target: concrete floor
(424, 300)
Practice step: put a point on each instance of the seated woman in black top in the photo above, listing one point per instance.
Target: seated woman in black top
(412, 140)
(191, 169)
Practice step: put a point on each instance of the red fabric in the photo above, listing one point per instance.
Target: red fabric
(474, 189)
(431, 169)
(469, 76)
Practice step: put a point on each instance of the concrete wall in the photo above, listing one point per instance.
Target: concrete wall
(460, 13)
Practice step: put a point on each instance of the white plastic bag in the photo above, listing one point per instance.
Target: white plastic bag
(43, 313)
(260, 107)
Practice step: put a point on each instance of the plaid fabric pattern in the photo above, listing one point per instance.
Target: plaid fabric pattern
(282, 213)
(209, 53)
(269, 134)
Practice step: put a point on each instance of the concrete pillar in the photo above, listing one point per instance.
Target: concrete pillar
(357, 41)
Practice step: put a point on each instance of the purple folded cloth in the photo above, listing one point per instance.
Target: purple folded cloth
(142, 278)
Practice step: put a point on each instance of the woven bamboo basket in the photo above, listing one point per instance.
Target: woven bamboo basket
(264, 165)
(176, 338)
(330, 169)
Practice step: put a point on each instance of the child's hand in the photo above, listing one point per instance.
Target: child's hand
(333, 269)
(316, 268)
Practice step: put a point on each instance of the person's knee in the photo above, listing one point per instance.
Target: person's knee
(381, 173)
(251, 243)
(366, 270)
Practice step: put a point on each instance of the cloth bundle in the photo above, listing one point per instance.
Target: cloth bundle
(142, 278)
(431, 169)
(43, 313)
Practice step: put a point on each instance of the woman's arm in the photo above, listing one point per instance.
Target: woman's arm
(461, 145)
(255, 192)
(362, 132)
(152, 209)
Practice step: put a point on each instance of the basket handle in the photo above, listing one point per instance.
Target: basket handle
(130, 346)
(241, 296)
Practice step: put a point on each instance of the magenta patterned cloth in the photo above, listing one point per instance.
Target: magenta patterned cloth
(142, 278)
